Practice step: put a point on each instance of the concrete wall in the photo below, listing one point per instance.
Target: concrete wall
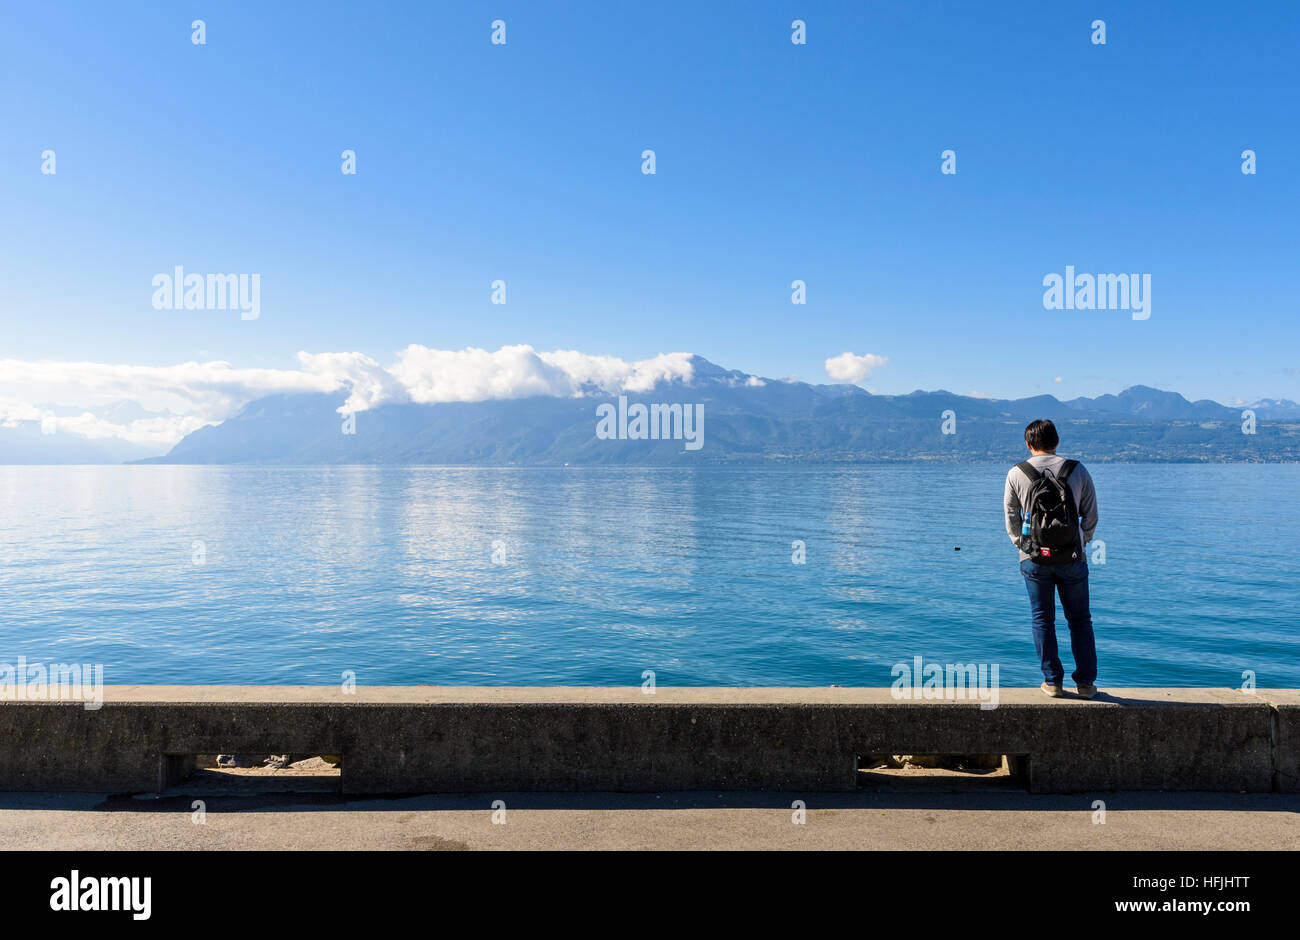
(427, 739)
(1286, 738)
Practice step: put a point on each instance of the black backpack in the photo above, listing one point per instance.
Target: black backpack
(1053, 537)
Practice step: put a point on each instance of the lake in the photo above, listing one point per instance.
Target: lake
(590, 576)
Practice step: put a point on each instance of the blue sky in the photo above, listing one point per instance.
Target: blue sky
(774, 162)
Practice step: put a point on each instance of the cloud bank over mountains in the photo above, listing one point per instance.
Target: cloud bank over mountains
(62, 412)
(159, 405)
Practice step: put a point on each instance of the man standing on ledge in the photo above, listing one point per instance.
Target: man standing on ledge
(1051, 510)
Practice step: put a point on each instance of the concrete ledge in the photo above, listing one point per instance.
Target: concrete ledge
(1286, 738)
(464, 739)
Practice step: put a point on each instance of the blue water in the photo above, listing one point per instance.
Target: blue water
(388, 571)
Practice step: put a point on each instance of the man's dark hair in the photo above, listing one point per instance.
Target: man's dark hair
(1041, 435)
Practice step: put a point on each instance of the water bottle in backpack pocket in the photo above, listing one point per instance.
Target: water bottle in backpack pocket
(1050, 532)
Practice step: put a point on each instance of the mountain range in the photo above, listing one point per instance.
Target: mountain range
(744, 419)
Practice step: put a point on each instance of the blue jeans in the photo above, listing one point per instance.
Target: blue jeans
(1043, 581)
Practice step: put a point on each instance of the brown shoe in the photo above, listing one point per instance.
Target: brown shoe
(1086, 691)
(1053, 690)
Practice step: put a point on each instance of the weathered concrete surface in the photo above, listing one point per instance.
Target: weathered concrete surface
(863, 821)
(461, 739)
(1286, 738)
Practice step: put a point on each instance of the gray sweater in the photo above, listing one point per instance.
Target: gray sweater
(1016, 494)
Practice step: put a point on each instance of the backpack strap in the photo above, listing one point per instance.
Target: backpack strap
(1064, 479)
(1028, 470)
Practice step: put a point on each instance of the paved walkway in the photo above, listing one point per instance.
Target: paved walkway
(928, 816)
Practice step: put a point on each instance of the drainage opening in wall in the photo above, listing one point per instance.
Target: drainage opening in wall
(256, 773)
(944, 770)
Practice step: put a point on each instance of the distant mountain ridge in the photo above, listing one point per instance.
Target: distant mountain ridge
(26, 444)
(745, 419)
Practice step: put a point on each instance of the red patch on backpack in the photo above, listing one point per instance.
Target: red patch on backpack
(1045, 552)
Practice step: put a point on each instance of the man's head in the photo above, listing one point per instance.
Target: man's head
(1041, 437)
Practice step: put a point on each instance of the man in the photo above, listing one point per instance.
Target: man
(1051, 510)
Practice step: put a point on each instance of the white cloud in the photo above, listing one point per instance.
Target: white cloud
(850, 368)
(611, 374)
(162, 431)
(442, 375)
(207, 390)
(184, 397)
(13, 410)
(370, 383)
